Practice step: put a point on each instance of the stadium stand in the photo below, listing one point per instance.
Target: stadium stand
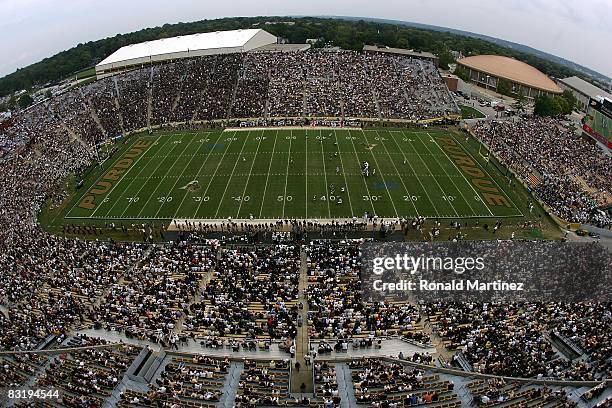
(223, 296)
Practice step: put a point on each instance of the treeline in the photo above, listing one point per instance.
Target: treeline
(347, 34)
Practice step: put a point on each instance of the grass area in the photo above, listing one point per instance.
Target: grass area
(304, 174)
(468, 112)
(275, 174)
(87, 73)
(600, 124)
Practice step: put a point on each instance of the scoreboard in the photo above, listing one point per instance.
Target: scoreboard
(598, 121)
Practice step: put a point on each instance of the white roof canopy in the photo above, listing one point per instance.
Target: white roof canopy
(217, 42)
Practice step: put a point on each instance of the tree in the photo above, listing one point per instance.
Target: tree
(347, 34)
(504, 86)
(25, 100)
(445, 58)
(549, 105)
(48, 94)
(571, 100)
(520, 103)
(462, 73)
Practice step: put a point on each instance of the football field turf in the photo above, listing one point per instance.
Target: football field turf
(293, 173)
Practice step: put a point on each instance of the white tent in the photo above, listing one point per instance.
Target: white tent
(218, 42)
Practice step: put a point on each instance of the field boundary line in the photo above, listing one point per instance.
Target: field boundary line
(268, 175)
(246, 185)
(381, 176)
(324, 174)
(214, 174)
(179, 177)
(398, 173)
(246, 138)
(165, 174)
(492, 178)
(348, 193)
(435, 178)
(125, 174)
(198, 173)
(365, 183)
(460, 172)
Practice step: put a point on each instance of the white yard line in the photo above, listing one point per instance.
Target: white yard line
(246, 139)
(381, 175)
(198, 174)
(249, 176)
(348, 193)
(398, 173)
(435, 179)
(152, 195)
(287, 174)
(130, 184)
(214, 174)
(268, 175)
(465, 178)
(177, 180)
(325, 175)
(365, 183)
(305, 173)
(414, 172)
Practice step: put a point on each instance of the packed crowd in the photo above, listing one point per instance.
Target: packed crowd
(253, 294)
(574, 175)
(336, 306)
(87, 377)
(185, 381)
(510, 339)
(378, 383)
(51, 285)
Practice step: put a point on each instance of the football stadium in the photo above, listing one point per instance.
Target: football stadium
(196, 224)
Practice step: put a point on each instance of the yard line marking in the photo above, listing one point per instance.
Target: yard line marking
(444, 170)
(232, 175)
(348, 193)
(168, 170)
(325, 173)
(465, 178)
(305, 172)
(398, 174)
(287, 172)
(383, 179)
(418, 177)
(197, 175)
(250, 171)
(435, 179)
(268, 175)
(178, 177)
(362, 176)
(216, 169)
(126, 173)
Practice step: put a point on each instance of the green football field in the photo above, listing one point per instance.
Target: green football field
(293, 173)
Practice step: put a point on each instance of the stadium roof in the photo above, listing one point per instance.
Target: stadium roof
(585, 88)
(217, 42)
(511, 69)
